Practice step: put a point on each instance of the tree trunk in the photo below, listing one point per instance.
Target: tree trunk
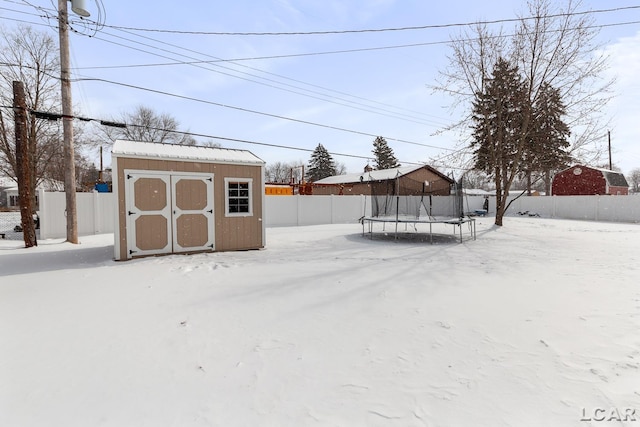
(23, 164)
(499, 198)
(547, 183)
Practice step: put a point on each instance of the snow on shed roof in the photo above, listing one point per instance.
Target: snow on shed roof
(182, 152)
(374, 175)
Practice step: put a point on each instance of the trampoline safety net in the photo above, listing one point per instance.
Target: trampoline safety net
(407, 198)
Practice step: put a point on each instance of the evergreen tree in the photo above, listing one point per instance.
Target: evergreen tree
(501, 121)
(321, 165)
(547, 150)
(385, 159)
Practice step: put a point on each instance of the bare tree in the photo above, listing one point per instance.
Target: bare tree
(634, 180)
(285, 172)
(145, 124)
(557, 48)
(341, 168)
(477, 180)
(278, 172)
(552, 46)
(30, 57)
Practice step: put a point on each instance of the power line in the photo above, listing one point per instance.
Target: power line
(533, 18)
(401, 116)
(371, 30)
(311, 94)
(218, 60)
(407, 118)
(55, 116)
(329, 52)
(246, 110)
(393, 114)
(280, 76)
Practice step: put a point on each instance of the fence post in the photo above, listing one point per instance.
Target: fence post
(96, 213)
(332, 208)
(42, 214)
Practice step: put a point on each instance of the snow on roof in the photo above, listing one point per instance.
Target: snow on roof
(6, 181)
(375, 175)
(9, 184)
(182, 152)
(477, 192)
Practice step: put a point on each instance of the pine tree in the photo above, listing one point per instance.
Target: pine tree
(385, 159)
(547, 150)
(321, 165)
(501, 121)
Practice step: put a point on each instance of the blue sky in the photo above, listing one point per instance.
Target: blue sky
(344, 98)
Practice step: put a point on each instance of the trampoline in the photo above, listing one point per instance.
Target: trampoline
(457, 223)
(410, 203)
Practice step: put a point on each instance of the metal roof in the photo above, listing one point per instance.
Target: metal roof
(613, 178)
(122, 148)
(374, 175)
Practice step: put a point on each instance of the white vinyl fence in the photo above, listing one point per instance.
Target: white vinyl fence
(96, 214)
(97, 211)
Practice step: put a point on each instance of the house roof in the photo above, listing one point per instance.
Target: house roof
(377, 175)
(6, 182)
(614, 178)
(9, 184)
(183, 152)
(477, 192)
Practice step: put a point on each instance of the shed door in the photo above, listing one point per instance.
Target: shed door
(168, 213)
(192, 212)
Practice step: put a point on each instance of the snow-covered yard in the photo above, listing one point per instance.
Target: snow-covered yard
(536, 323)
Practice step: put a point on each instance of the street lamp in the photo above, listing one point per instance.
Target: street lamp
(77, 6)
(67, 116)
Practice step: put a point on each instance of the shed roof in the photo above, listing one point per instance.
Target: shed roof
(377, 175)
(122, 148)
(613, 178)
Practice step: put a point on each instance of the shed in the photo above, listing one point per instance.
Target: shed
(403, 181)
(184, 199)
(581, 180)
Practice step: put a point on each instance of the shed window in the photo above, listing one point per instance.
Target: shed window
(238, 196)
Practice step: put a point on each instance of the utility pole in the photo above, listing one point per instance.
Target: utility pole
(610, 161)
(23, 163)
(67, 125)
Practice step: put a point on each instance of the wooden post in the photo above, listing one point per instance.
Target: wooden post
(67, 126)
(610, 161)
(23, 164)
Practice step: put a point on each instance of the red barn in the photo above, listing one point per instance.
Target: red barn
(580, 180)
